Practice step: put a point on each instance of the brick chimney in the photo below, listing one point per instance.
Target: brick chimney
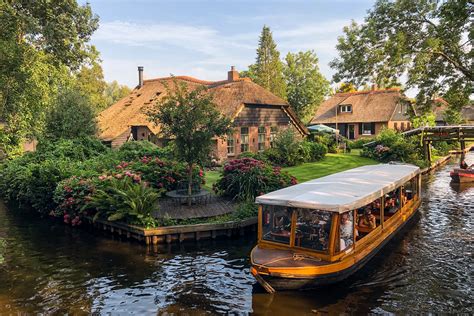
(140, 76)
(233, 74)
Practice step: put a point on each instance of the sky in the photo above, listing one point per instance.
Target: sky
(203, 39)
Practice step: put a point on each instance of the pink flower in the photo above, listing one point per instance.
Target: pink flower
(119, 176)
(201, 173)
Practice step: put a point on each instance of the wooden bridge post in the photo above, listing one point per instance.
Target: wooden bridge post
(427, 149)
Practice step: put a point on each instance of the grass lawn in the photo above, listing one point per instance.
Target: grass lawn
(332, 163)
(211, 177)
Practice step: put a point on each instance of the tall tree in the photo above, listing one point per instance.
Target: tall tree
(72, 115)
(428, 41)
(90, 81)
(114, 92)
(268, 68)
(192, 120)
(306, 87)
(41, 42)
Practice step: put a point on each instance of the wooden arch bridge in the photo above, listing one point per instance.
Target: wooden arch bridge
(430, 134)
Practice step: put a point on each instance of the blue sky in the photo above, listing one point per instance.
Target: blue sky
(204, 38)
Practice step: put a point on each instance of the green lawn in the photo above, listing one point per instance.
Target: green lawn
(211, 177)
(332, 163)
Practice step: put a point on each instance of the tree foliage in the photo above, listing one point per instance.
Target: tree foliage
(192, 120)
(41, 43)
(268, 68)
(71, 116)
(306, 86)
(428, 41)
(114, 92)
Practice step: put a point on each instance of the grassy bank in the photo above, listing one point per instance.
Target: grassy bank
(332, 163)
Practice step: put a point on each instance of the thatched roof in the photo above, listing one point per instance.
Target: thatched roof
(367, 106)
(229, 96)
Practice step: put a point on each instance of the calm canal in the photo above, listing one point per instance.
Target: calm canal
(52, 268)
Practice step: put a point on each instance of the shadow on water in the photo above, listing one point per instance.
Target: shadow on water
(53, 268)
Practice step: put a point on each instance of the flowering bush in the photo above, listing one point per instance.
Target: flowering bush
(71, 195)
(246, 178)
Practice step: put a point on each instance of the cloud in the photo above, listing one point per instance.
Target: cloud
(201, 50)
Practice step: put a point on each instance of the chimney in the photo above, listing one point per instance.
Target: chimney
(140, 76)
(233, 74)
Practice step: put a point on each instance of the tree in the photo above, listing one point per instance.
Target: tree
(268, 68)
(90, 81)
(192, 120)
(114, 92)
(71, 116)
(306, 87)
(346, 87)
(41, 42)
(428, 41)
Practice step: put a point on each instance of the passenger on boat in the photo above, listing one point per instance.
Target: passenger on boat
(367, 220)
(390, 205)
(346, 232)
(463, 165)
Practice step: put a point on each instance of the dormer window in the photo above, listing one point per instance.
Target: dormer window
(345, 108)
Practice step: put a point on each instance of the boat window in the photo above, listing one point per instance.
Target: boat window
(346, 232)
(409, 189)
(368, 218)
(392, 202)
(312, 229)
(276, 224)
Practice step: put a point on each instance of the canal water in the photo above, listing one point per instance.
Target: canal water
(51, 268)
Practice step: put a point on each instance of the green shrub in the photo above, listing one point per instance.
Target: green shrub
(138, 149)
(359, 144)
(124, 198)
(244, 179)
(392, 146)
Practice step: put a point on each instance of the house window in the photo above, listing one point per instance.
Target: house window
(345, 108)
(261, 138)
(366, 129)
(403, 126)
(230, 144)
(408, 125)
(395, 126)
(244, 139)
(273, 133)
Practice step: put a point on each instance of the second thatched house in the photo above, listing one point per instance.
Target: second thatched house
(257, 114)
(364, 113)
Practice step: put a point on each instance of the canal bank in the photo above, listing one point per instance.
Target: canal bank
(53, 268)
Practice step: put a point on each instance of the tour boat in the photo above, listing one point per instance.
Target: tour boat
(321, 231)
(459, 175)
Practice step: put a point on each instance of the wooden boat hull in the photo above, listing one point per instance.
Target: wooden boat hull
(292, 281)
(462, 175)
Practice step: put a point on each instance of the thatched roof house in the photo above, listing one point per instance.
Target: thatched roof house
(254, 110)
(364, 113)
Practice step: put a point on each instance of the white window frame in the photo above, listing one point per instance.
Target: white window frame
(230, 144)
(345, 108)
(366, 131)
(261, 138)
(244, 139)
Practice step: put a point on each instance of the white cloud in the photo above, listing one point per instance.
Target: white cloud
(201, 51)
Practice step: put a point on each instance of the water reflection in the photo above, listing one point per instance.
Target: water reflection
(51, 268)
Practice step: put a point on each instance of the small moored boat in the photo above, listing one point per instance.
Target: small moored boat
(321, 231)
(459, 175)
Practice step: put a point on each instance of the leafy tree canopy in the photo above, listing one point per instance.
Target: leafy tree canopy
(71, 116)
(41, 43)
(114, 92)
(268, 68)
(306, 86)
(428, 41)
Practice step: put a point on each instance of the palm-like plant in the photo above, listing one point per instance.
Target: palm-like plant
(122, 199)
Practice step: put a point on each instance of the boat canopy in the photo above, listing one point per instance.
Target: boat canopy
(343, 191)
